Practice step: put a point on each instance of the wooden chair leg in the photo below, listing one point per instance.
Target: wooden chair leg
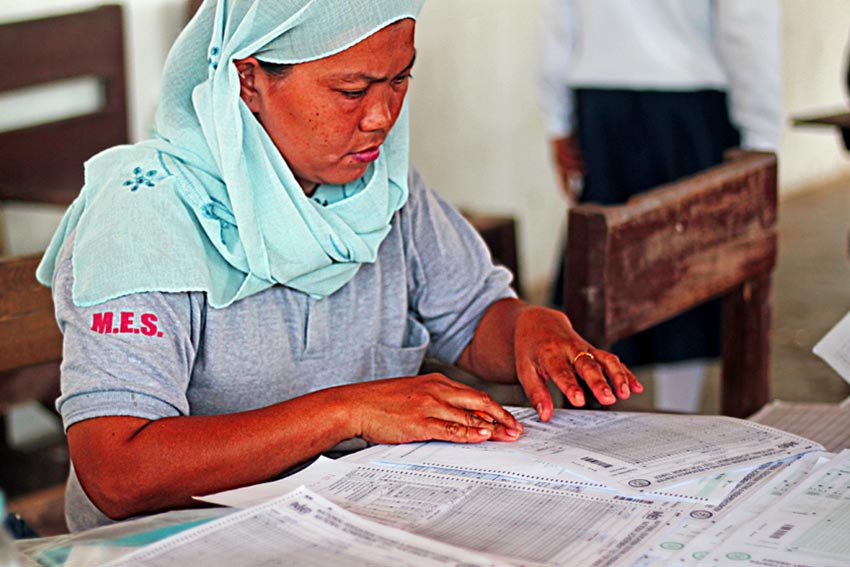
(746, 348)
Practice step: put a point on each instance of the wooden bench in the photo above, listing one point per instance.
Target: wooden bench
(499, 233)
(632, 266)
(43, 163)
(30, 355)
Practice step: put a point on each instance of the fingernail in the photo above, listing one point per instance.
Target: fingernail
(539, 408)
(512, 432)
(484, 432)
(624, 390)
(607, 393)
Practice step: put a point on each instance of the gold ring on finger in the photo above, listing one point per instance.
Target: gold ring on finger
(583, 353)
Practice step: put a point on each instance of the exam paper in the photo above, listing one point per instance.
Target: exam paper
(834, 348)
(828, 424)
(755, 504)
(680, 538)
(644, 452)
(712, 489)
(300, 528)
(695, 516)
(807, 526)
(318, 473)
(515, 520)
(560, 495)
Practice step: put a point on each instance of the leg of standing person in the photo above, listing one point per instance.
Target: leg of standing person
(633, 141)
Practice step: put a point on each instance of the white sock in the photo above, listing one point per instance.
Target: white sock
(678, 385)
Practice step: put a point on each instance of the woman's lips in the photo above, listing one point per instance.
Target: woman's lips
(368, 155)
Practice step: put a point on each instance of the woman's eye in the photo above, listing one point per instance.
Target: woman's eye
(401, 79)
(359, 93)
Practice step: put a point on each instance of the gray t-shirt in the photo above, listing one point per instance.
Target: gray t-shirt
(155, 355)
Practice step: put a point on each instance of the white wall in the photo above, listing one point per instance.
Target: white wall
(477, 130)
(814, 48)
(477, 133)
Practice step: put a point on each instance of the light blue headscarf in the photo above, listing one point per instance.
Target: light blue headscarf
(209, 204)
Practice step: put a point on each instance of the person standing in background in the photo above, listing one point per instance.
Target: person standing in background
(636, 94)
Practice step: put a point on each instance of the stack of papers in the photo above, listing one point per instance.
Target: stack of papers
(587, 488)
(828, 424)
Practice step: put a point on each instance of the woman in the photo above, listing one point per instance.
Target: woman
(263, 280)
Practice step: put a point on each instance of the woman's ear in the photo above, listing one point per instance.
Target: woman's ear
(248, 69)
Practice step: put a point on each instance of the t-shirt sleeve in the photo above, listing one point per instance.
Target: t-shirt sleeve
(558, 46)
(131, 356)
(452, 277)
(749, 39)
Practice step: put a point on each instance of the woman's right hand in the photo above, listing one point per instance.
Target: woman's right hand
(424, 408)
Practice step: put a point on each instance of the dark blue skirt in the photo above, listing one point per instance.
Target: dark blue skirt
(632, 141)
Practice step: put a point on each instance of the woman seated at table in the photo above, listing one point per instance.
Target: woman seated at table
(263, 280)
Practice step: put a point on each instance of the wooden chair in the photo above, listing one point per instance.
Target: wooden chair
(43, 163)
(632, 266)
(30, 341)
(30, 354)
(499, 233)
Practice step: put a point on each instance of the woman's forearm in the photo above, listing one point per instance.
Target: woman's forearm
(130, 466)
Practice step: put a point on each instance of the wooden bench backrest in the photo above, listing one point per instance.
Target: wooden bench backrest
(44, 163)
(634, 265)
(30, 340)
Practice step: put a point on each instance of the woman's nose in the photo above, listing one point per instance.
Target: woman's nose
(378, 114)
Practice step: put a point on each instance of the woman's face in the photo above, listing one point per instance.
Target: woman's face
(328, 117)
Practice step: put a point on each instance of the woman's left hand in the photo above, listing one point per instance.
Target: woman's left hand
(546, 347)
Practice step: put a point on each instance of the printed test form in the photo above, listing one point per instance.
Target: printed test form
(562, 494)
(710, 489)
(807, 527)
(699, 512)
(300, 528)
(828, 424)
(787, 476)
(644, 452)
(517, 521)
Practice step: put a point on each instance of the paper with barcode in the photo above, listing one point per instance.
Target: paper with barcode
(710, 489)
(834, 348)
(807, 527)
(646, 452)
(523, 522)
(749, 507)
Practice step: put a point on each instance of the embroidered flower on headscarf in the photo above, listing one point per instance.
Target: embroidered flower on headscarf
(139, 179)
(213, 58)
